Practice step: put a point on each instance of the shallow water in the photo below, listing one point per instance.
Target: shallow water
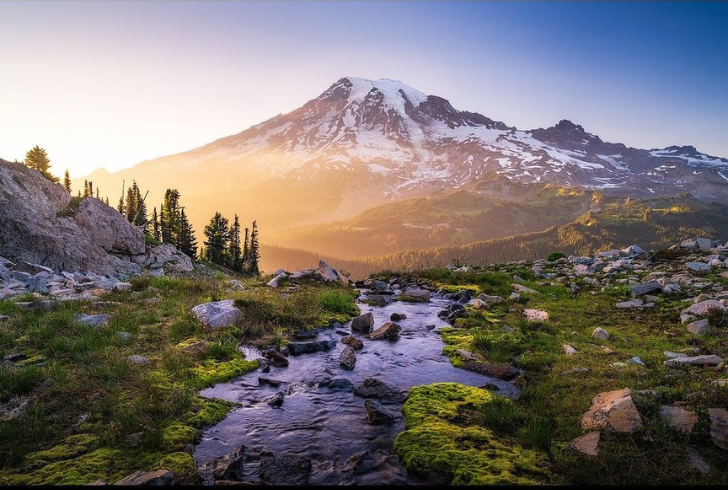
(330, 426)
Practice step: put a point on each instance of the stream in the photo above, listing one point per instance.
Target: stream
(328, 423)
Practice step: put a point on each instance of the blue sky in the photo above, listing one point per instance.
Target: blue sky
(102, 83)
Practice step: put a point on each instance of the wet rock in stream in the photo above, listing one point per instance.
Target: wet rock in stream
(374, 388)
(296, 348)
(285, 469)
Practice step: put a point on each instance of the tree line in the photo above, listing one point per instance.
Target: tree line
(223, 245)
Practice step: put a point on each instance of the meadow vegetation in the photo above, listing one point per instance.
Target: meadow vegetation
(76, 408)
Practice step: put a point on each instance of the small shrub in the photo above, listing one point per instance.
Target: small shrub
(555, 256)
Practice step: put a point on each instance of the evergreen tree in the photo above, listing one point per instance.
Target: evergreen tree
(253, 252)
(246, 251)
(90, 189)
(187, 242)
(97, 193)
(218, 237)
(37, 159)
(170, 217)
(236, 262)
(85, 188)
(107, 200)
(67, 181)
(120, 206)
(131, 204)
(155, 226)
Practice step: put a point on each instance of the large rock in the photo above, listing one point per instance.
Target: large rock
(388, 331)
(701, 309)
(613, 410)
(374, 388)
(94, 237)
(226, 467)
(327, 273)
(363, 323)
(646, 288)
(217, 314)
(535, 315)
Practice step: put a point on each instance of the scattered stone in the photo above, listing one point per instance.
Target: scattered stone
(420, 294)
(152, 478)
(699, 327)
(217, 314)
(679, 418)
(388, 331)
(588, 444)
(296, 348)
(633, 303)
(363, 323)
(673, 355)
(348, 358)
(276, 400)
(490, 299)
(122, 286)
(95, 321)
(137, 359)
(613, 410)
(524, 289)
(352, 342)
(226, 467)
(569, 350)
(635, 360)
(719, 426)
(700, 310)
(278, 359)
(697, 266)
(395, 317)
(695, 460)
(705, 360)
(123, 335)
(376, 414)
(600, 333)
(535, 315)
(379, 299)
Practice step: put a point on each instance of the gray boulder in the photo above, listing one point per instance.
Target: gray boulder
(95, 321)
(377, 415)
(217, 314)
(719, 426)
(613, 410)
(363, 323)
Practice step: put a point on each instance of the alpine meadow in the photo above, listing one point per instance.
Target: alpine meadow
(479, 243)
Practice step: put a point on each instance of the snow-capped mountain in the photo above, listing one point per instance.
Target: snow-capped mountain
(364, 142)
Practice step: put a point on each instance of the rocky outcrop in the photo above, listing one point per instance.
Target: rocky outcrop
(324, 273)
(39, 223)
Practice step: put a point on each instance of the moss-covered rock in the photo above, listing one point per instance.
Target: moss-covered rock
(439, 438)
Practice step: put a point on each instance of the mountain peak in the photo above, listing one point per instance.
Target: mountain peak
(566, 125)
(393, 91)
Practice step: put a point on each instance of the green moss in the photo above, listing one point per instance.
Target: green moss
(208, 411)
(72, 208)
(211, 371)
(176, 436)
(439, 437)
(72, 446)
(455, 339)
(182, 465)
